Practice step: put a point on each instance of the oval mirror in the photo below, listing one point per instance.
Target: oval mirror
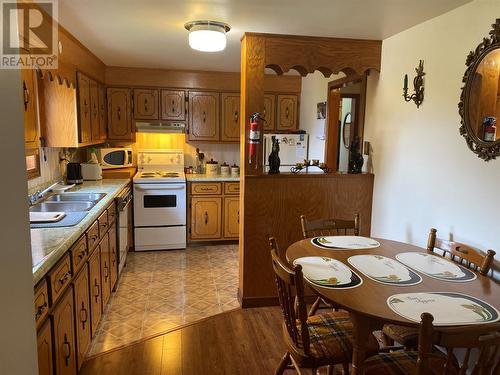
(346, 130)
(479, 104)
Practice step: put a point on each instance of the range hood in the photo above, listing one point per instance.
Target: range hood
(160, 127)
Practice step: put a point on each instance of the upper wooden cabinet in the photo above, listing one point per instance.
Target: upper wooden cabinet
(269, 112)
(120, 115)
(103, 114)
(84, 108)
(94, 111)
(173, 105)
(146, 104)
(31, 136)
(230, 124)
(286, 114)
(203, 116)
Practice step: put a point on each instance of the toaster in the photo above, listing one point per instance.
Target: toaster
(91, 171)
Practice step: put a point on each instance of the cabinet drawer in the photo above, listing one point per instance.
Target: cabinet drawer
(60, 277)
(103, 224)
(212, 188)
(111, 213)
(93, 236)
(41, 302)
(232, 188)
(79, 254)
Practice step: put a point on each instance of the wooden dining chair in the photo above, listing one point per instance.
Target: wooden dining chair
(312, 341)
(455, 251)
(427, 360)
(327, 227)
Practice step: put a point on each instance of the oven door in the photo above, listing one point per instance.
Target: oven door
(159, 204)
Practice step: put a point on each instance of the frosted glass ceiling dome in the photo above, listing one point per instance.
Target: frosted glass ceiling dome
(207, 36)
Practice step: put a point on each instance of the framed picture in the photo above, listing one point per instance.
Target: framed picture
(321, 111)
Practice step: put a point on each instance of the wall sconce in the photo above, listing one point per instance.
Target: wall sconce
(418, 86)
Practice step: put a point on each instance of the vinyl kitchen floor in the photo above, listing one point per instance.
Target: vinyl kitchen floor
(162, 290)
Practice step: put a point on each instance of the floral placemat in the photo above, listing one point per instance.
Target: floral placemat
(384, 270)
(344, 242)
(328, 272)
(436, 267)
(446, 308)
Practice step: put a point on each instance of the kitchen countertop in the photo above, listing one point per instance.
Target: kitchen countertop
(48, 245)
(205, 178)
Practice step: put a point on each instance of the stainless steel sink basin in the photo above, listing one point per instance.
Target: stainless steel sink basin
(62, 206)
(76, 197)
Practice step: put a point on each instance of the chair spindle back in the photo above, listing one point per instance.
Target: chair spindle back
(329, 227)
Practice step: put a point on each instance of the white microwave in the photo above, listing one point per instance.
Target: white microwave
(115, 157)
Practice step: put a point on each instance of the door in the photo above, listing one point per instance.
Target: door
(105, 271)
(84, 109)
(103, 114)
(44, 349)
(113, 255)
(230, 117)
(231, 217)
(203, 116)
(95, 119)
(120, 115)
(95, 289)
(146, 104)
(287, 113)
(82, 313)
(206, 215)
(268, 113)
(31, 137)
(64, 335)
(173, 105)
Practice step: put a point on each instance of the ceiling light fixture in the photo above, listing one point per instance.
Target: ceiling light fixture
(207, 36)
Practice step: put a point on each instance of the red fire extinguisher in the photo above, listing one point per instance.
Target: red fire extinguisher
(254, 137)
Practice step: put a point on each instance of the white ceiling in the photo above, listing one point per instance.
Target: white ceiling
(150, 33)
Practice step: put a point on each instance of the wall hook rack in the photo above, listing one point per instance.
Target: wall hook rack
(418, 86)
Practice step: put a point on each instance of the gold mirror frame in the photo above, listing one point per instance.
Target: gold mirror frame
(484, 150)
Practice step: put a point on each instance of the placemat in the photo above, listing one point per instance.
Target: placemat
(344, 242)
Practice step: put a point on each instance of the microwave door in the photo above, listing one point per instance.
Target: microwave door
(115, 158)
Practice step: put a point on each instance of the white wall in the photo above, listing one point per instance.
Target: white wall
(425, 175)
(17, 323)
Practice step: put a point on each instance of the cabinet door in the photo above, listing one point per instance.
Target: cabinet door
(113, 255)
(203, 116)
(82, 313)
(206, 215)
(84, 109)
(31, 137)
(230, 117)
(231, 217)
(103, 114)
(173, 105)
(105, 271)
(120, 115)
(287, 112)
(95, 290)
(94, 111)
(146, 104)
(64, 335)
(269, 113)
(44, 348)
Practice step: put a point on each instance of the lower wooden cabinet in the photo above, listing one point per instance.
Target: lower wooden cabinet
(64, 335)
(105, 271)
(95, 289)
(82, 313)
(44, 348)
(206, 217)
(231, 217)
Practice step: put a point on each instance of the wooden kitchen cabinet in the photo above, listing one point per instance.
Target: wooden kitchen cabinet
(113, 256)
(173, 105)
(103, 113)
(105, 271)
(286, 115)
(120, 126)
(206, 217)
(41, 301)
(231, 217)
(84, 109)
(64, 335)
(95, 290)
(31, 136)
(94, 112)
(44, 349)
(269, 113)
(203, 116)
(230, 124)
(82, 313)
(146, 105)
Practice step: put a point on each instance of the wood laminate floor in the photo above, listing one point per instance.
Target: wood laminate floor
(239, 342)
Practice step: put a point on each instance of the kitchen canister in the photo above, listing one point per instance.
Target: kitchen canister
(212, 168)
(235, 170)
(225, 170)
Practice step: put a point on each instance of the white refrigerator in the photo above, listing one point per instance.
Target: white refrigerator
(293, 149)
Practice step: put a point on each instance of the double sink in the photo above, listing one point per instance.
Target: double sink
(68, 202)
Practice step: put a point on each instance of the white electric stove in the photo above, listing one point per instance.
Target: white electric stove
(160, 200)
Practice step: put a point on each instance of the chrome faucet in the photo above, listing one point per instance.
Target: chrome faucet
(33, 198)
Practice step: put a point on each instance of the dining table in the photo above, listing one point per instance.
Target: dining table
(367, 302)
